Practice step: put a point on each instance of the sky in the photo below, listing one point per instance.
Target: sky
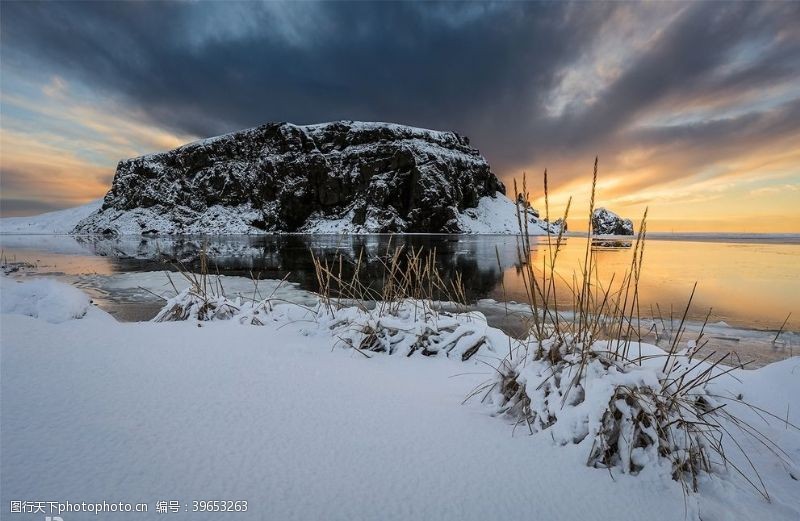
(692, 108)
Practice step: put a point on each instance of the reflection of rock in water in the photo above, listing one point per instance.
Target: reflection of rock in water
(604, 244)
(273, 256)
(173, 249)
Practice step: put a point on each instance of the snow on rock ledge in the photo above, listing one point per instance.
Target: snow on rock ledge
(341, 177)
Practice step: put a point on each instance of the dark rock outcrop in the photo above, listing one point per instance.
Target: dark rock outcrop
(606, 222)
(334, 177)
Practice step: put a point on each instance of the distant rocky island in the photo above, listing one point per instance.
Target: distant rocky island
(340, 177)
(606, 222)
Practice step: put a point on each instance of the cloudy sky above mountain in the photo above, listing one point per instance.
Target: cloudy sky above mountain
(693, 109)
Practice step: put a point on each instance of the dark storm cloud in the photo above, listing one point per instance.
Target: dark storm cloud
(469, 67)
(727, 132)
(688, 60)
(485, 70)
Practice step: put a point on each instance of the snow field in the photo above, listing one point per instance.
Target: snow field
(287, 416)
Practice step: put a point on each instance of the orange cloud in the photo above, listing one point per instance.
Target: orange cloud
(686, 189)
(62, 149)
(33, 169)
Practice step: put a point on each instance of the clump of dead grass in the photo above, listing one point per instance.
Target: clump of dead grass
(414, 310)
(205, 298)
(585, 376)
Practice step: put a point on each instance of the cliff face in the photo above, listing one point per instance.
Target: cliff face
(606, 222)
(335, 177)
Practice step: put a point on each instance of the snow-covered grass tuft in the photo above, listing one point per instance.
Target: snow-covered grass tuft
(415, 311)
(630, 414)
(407, 327)
(412, 327)
(402, 319)
(205, 300)
(193, 304)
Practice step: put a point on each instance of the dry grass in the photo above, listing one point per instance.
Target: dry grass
(205, 298)
(12, 265)
(413, 311)
(675, 419)
(406, 274)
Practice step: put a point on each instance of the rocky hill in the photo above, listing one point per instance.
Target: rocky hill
(606, 222)
(341, 177)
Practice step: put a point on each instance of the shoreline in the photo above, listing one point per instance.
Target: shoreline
(133, 297)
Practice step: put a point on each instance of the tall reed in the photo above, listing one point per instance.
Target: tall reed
(679, 419)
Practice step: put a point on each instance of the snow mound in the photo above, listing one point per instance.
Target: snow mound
(660, 413)
(411, 327)
(194, 304)
(44, 299)
(136, 403)
(59, 222)
(498, 215)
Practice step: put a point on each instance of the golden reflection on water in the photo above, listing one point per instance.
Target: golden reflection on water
(60, 263)
(746, 284)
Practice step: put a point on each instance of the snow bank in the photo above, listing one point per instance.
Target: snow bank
(277, 415)
(62, 221)
(144, 412)
(44, 299)
(498, 215)
(637, 411)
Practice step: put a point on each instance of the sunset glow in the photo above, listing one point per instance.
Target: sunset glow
(693, 112)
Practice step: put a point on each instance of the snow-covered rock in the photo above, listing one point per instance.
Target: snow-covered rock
(341, 177)
(606, 222)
